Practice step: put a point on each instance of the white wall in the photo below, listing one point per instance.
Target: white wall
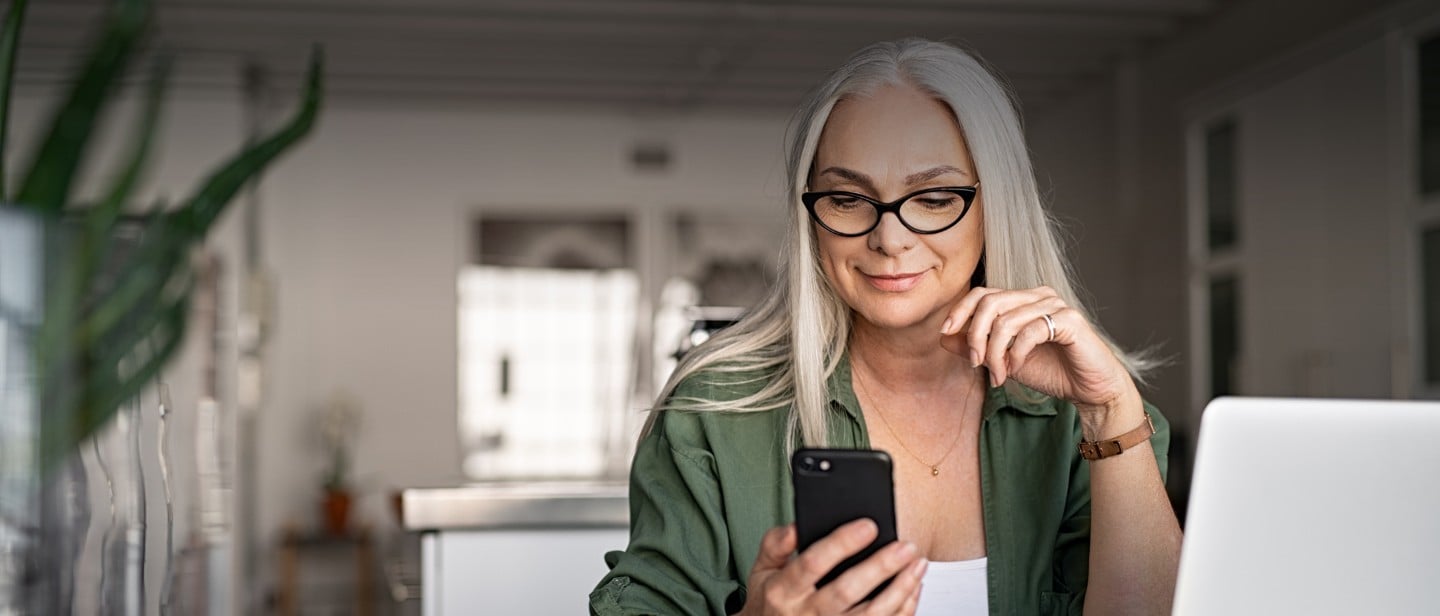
(1076, 167)
(1314, 218)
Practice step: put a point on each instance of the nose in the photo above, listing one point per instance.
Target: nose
(890, 237)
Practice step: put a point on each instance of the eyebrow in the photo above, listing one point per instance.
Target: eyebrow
(910, 180)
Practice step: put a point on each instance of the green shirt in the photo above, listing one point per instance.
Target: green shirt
(705, 486)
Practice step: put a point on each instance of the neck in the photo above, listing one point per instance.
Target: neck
(907, 360)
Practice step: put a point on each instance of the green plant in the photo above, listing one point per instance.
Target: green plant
(337, 422)
(114, 318)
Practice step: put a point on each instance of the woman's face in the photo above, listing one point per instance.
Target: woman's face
(889, 144)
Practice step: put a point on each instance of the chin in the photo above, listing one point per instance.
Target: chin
(893, 316)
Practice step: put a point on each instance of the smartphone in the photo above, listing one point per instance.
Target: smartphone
(837, 486)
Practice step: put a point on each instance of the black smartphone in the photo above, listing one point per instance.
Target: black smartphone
(836, 486)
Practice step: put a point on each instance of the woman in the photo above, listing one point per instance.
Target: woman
(925, 310)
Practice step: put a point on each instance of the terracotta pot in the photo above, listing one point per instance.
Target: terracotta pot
(337, 512)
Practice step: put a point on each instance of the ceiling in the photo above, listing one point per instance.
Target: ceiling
(677, 54)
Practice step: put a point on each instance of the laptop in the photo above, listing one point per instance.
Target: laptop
(1313, 507)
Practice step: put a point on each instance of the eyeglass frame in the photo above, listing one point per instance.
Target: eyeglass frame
(967, 194)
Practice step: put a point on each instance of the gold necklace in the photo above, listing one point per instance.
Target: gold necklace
(934, 468)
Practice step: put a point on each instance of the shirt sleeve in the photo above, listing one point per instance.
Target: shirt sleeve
(678, 560)
(1072, 547)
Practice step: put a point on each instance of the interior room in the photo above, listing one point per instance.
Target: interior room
(422, 343)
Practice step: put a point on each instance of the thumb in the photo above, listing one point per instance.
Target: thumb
(957, 343)
(775, 548)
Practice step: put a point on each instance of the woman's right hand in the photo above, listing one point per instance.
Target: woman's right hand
(780, 584)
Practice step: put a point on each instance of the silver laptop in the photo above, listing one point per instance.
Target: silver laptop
(1314, 507)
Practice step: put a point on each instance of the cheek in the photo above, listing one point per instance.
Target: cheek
(833, 253)
(827, 249)
(960, 252)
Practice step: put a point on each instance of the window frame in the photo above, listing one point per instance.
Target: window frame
(1412, 213)
(1205, 265)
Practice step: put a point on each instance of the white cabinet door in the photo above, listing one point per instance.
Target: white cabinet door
(515, 571)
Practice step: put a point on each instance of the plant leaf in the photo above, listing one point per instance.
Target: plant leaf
(208, 202)
(102, 217)
(104, 389)
(51, 177)
(86, 351)
(121, 342)
(145, 271)
(98, 242)
(9, 45)
(133, 304)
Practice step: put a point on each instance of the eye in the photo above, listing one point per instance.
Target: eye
(937, 203)
(843, 202)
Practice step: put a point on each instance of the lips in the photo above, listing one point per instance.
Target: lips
(893, 283)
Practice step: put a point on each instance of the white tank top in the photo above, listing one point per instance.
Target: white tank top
(955, 588)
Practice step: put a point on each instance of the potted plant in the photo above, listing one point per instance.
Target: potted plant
(90, 315)
(339, 421)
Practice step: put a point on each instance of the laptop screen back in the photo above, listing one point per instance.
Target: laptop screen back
(1314, 507)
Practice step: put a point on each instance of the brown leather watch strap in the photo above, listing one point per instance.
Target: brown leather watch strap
(1096, 450)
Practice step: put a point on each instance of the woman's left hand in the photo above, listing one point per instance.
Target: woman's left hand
(1006, 331)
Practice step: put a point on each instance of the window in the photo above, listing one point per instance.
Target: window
(1428, 57)
(553, 318)
(1215, 245)
(547, 333)
(1426, 220)
(1221, 186)
(1224, 335)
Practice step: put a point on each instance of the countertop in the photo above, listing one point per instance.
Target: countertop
(517, 505)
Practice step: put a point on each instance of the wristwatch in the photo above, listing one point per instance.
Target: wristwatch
(1096, 450)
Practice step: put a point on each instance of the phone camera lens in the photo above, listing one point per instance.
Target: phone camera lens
(808, 463)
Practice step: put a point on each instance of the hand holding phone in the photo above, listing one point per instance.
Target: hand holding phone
(845, 532)
(783, 583)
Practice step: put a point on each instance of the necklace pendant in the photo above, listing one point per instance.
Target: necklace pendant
(934, 471)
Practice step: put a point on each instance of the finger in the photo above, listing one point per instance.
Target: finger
(1030, 337)
(817, 560)
(905, 590)
(961, 312)
(981, 322)
(912, 604)
(775, 549)
(853, 585)
(1007, 325)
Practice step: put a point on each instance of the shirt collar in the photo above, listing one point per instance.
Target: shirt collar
(842, 397)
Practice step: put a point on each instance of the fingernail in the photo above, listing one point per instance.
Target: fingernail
(974, 358)
(920, 567)
(907, 548)
(945, 329)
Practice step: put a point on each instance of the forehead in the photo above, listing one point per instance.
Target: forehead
(893, 130)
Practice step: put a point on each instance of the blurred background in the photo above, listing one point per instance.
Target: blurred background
(513, 215)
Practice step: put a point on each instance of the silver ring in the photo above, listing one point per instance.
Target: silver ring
(1049, 322)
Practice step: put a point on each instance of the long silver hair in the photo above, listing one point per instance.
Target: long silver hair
(797, 335)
